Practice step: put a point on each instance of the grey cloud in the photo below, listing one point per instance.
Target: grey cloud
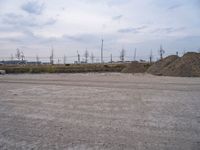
(117, 2)
(168, 30)
(27, 35)
(175, 6)
(72, 38)
(86, 38)
(128, 30)
(28, 38)
(26, 21)
(117, 17)
(18, 20)
(132, 30)
(191, 39)
(50, 21)
(33, 7)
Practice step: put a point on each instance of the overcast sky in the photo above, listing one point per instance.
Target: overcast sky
(71, 25)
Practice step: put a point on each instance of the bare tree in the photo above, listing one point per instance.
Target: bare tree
(151, 57)
(22, 56)
(92, 58)
(37, 59)
(86, 55)
(111, 58)
(79, 59)
(122, 55)
(18, 54)
(161, 52)
(11, 57)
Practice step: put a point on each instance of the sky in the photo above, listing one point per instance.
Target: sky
(68, 26)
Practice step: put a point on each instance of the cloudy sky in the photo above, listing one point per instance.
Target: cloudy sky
(35, 26)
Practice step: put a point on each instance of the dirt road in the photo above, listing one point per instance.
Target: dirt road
(109, 111)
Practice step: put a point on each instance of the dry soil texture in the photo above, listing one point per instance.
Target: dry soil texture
(99, 111)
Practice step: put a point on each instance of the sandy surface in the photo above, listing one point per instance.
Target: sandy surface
(99, 111)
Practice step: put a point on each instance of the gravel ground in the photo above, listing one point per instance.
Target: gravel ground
(110, 111)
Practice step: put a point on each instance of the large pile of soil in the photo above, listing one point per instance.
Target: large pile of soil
(136, 67)
(161, 64)
(186, 66)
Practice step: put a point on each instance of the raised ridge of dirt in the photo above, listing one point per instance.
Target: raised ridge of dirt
(157, 67)
(136, 67)
(186, 66)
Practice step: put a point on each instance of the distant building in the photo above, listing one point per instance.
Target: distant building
(34, 63)
(142, 61)
(19, 62)
(13, 62)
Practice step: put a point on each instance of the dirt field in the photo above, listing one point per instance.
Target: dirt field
(109, 111)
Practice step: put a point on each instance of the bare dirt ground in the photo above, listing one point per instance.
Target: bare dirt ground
(109, 111)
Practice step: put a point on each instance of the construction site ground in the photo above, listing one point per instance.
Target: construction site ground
(110, 111)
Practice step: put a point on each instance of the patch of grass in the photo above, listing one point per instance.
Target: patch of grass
(68, 68)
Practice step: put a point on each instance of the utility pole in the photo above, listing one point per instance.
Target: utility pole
(64, 60)
(92, 58)
(52, 57)
(151, 57)
(102, 51)
(111, 59)
(37, 59)
(18, 54)
(135, 53)
(11, 58)
(86, 56)
(122, 55)
(161, 52)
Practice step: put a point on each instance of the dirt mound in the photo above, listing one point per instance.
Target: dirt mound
(186, 66)
(161, 64)
(136, 67)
